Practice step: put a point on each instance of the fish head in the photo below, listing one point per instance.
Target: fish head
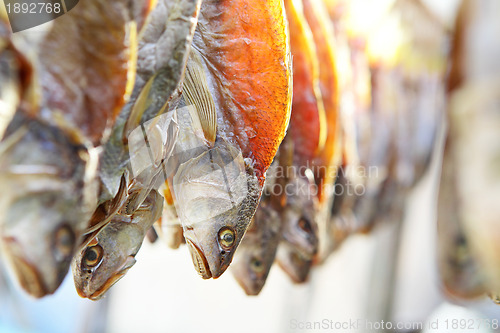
(216, 195)
(212, 244)
(257, 250)
(46, 204)
(293, 262)
(109, 256)
(300, 227)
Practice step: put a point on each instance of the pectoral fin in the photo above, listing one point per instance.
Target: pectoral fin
(197, 93)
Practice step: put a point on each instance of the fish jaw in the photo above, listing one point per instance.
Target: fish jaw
(210, 258)
(27, 274)
(85, 286)
(199, 260)
(99, 293)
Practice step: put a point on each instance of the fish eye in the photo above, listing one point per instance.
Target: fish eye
(257, 265)
(305, 225)
(92, 256)
(226, 237)
(64, 242)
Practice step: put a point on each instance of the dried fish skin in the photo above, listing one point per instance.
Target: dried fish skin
(307, 123)
(247, 59)
(329, 157)
(85, 85)
(161, 60)
(49, 196)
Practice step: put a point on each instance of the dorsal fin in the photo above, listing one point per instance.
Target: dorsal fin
(197, 93)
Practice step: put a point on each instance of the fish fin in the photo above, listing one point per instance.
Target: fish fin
(13, 139)
(197, 93)
(105, 211)
(141, 104)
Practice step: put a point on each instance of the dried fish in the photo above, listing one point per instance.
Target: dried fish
(110, 255)
(469, 193)
(257, 250)
(48, 199)
(252, 108)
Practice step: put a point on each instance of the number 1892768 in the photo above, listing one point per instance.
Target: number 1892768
(34, 8)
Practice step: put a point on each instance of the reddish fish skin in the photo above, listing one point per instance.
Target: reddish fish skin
(245, 47)
(323, 35)
(307, 126)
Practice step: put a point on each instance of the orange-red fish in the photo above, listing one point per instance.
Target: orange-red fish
(307, 123)
(322, 30)
(240, 66)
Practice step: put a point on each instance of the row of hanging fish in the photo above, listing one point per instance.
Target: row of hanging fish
(267, 136)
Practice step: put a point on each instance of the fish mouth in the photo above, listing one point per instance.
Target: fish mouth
(99, 293)
(251, 288)
(26, 273)
(199, 260)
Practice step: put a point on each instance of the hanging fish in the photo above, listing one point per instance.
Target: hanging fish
(161, 57)
(328, 159)
(242, 64)
(110, 255)
(299, 232)
(471, 154)
(461, 275)
(299, 218)
(354, 99)
(257, 250)
(83, 88)
(161, 60)
(308, 123)
(47, 201)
